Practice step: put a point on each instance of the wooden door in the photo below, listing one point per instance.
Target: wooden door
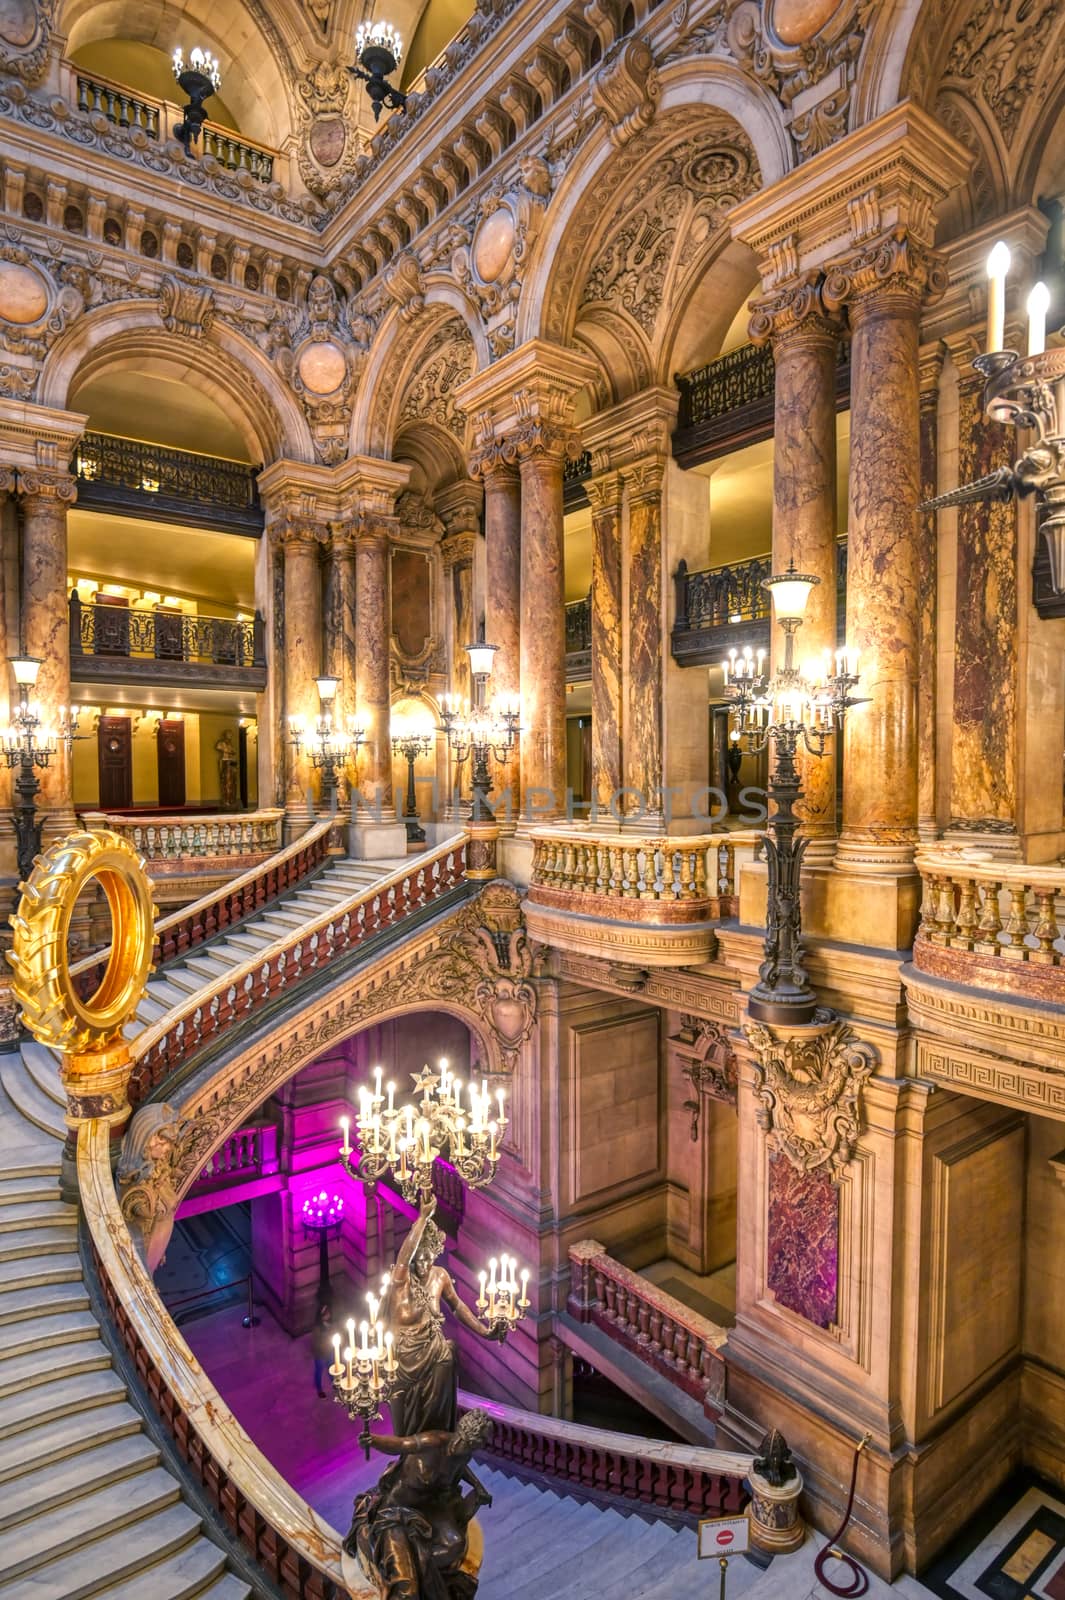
(170, 750)
(115, 746)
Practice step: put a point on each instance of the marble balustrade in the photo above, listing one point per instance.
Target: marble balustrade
(163, 841)
(992, 924)
(687, 879)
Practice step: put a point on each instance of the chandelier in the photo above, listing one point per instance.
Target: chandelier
(461, 1127)
(200, 77)
(364, 1371)
(791, 710)
(379, 51)
(480, 730)
(331, 746)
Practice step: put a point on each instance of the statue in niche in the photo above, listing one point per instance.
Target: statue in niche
(413, 1528)
(228, 789)
(146, 1184)
(425, 1398)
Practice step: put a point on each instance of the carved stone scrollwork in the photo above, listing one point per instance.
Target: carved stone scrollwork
(147, 1178)
(320, 352)
(493, 247)
(809, 1082)
(710, 1066)
(38, 301)
(794, 310)
(626, 89)
(895, 263)
(45, 483)
(402, 279)
(26, 38)
(330, 145)
(186, 307)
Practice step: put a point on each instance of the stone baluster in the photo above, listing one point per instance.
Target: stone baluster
(805, 342)
(1017, 924)
(990, 925)
(46, 495)
(1046, 929)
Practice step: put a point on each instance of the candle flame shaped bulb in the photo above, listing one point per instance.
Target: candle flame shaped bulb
(998, 265)
(345, 1123)
(391, 1099)
(390, 1358)
(1038, 306)
(482, 1300)
(336, 1368)
(524, 1301)
(501, 1096)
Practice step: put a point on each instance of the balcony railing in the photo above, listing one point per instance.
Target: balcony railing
(251, 1152)
(729, 403)
(157, 119)
(133, 478)
(579, 640)
(992, 924)
(654, 879)
(180, 845)
(724, 608)
(664, 1333)
(109, 642)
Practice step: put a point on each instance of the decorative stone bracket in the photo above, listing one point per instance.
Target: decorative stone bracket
(710, 1064)
(809, 1082)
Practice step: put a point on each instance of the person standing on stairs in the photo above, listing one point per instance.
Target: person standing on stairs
(322, 1345)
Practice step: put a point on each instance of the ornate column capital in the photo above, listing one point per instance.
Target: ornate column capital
(644, 479)
(47, 483)
(494, 458)
(794, 312)
(297, 533)
(604, 494)
(895, 267)
(457, 550)
(373, 530)
(7, 480)
(546, 439)
(638, 429)
(342, 540)
(521, 407)
(459, 507)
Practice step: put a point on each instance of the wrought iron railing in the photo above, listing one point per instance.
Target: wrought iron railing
(579, 625)
(119, 632)
(723, 594)
(737, 379)
(141, 479)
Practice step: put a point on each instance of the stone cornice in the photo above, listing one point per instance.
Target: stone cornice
(637, 429)
(36, 437)
(890, 174)
(305, 491)
(532, 387)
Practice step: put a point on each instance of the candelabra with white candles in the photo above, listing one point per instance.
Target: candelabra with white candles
(504, 1294)
(365, 1369)
(461, 1123)
(1025, 391)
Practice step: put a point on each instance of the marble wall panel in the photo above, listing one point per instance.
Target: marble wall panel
(802, 1244)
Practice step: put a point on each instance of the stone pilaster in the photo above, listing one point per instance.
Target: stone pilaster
(372, 665)
(605, 494)
(643, 689)
(928, 593)
(46, 495)
(495, 466)
(459, 508)
(805, 342)
(299, 541)
(340, 616)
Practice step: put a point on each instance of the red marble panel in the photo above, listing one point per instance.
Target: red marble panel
(802, 1249)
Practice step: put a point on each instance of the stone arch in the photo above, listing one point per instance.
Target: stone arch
(709, 99)
(253, 50)
(896, 58)
(718, 282)
(1040, 168)
(221, 363)
(400, 341)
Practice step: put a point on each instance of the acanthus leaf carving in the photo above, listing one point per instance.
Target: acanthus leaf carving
(626, 89)
(320, 351)
(185, 306)
(809, 1085)
(148, 1178)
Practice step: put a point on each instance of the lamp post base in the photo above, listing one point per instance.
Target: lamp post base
(789, 1006)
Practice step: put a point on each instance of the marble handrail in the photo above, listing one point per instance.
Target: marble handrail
(682, 878)
(296, 1547)
(237, 898)
(226, 835)
(991, 923)
(661, 1330)
(683, 1478)
(176, 1036)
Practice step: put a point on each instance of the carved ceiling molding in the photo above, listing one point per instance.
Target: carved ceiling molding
(1006, 52)
(330, 143)
(448, 360)
(809, 1082)
(26, 28)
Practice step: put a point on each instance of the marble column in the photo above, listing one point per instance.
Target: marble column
(457, 551)
(303, 661)
(805, 342)
(983, 765)
(605, 496)
(928, 587)
(542, 451)
(46, 496)
(494, 466)
(643, 687)
(373, 663)
(884, 285)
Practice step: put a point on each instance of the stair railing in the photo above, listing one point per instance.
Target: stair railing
(167, 1044)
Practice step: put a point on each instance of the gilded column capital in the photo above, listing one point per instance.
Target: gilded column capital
(47, 483)
(896, 266)
(604, 493)
(794, 312)
(457, 550)
(644, 480)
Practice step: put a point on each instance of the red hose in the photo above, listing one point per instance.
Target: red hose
(859, 1580)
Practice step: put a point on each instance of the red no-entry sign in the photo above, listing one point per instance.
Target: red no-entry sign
(719, 1536)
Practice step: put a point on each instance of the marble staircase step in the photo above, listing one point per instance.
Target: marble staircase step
(19, 1373)
(29, 1166)
(198, 1569)
(208, 968)
(48, 1490)
(65, 1437)
(39, 1330)
(150, 1009)
(43, 1299)
(43, 1068)
(185, 981)
(43, 1404)
(21, 1213)
(97, 1567)
(91, 1515)
(29, 1100)
(26, 1187)
(26, 1273)
(606, 1550)
(43, 1240)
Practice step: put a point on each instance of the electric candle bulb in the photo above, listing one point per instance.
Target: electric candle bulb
(482, 1300)
(998, 265)
(378, 1073)
(336, 1367)
(1038, 306)
(391, 1099)
(345, 1148)
(500, 1099)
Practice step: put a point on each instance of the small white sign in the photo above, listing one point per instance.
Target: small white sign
(723, 1536)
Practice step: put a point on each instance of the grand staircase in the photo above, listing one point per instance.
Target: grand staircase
(86, 1507)
(32, 1082)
